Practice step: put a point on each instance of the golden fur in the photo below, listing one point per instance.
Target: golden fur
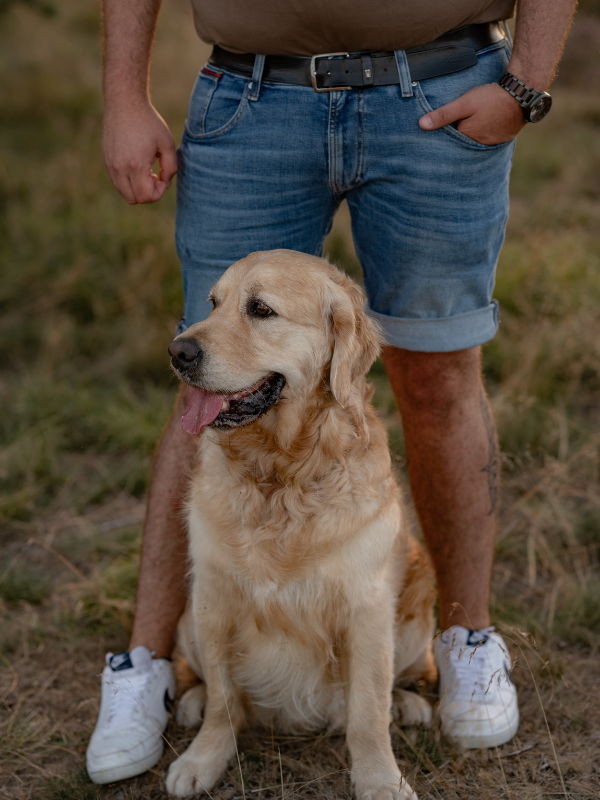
(309, 596)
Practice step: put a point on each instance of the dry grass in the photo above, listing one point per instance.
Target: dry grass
(83, 400)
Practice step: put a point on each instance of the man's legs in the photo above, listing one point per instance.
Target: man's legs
(453, 464)
(138, 689)
(162, 586)
(428, 218)
(453, 467)
(408, 190)
(261, 184)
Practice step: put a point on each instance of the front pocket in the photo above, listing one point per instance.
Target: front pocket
(454, 132)
(436, 92)
(217, 103)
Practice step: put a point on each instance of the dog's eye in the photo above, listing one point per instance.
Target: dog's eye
(212, 300)
(258, 309)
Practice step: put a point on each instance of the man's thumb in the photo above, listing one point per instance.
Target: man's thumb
(168, 159)
(444, 115)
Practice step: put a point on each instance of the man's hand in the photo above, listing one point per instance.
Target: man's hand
(487, 114)
(133, 138)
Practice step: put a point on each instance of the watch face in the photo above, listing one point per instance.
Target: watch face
(539, 108)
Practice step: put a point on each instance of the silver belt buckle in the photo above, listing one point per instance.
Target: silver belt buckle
(313, 73)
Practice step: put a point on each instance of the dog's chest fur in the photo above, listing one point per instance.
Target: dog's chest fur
(288, 566)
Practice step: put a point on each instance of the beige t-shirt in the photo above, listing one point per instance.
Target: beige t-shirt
(308, 27)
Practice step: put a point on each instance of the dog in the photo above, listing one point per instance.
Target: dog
(309, 597)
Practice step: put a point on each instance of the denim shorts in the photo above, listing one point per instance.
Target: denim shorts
(265, 165)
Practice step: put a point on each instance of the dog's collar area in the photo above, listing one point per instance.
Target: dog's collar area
(242, 410)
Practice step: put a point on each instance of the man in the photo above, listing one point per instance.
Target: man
(415, 130)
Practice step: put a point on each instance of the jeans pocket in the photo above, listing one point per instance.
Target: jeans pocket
(217, 103)
(436, 92)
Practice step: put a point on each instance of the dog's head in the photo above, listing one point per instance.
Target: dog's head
(279, 319)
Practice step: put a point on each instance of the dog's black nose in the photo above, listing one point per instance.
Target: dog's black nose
(184, 353)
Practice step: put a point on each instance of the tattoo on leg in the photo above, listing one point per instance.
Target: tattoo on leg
(492, 468)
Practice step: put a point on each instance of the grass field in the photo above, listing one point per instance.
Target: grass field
(83, 400)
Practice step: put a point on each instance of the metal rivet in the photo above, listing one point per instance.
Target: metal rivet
(414, 83)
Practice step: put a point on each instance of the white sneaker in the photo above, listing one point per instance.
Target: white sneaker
(138, 693)
(478, 700)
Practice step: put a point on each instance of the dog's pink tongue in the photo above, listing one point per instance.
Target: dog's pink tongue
(202, 409)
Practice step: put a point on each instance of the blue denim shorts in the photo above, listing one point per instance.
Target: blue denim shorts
(265, 165)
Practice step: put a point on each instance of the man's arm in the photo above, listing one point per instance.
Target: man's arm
(134, 134)
(488, 113)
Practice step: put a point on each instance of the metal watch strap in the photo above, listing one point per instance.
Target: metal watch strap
(522, 93)
(534, 104)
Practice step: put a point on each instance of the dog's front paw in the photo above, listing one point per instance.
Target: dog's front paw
(190, 707)
(188, 777)
(399, 791)
(384, 784)
(414, 709)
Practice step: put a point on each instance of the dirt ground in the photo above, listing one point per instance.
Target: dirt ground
(83, 402)
(49, 696)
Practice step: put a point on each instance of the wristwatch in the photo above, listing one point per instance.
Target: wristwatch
(534, 104)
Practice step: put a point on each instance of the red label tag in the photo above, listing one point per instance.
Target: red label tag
(211, 72)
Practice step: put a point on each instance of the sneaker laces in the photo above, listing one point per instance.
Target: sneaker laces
(474, 676)
(126, 696)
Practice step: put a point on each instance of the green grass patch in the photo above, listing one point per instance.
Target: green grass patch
(73, 786)
(24, 584)
(577, 619)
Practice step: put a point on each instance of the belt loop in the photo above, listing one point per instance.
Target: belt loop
(507, 34)
(257, 73)
(404, 73)
(367, 69)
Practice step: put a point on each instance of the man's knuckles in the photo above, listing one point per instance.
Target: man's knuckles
(146, 194)
(440, 117)
(128, 166)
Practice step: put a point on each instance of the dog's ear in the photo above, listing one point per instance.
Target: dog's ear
(357, 340)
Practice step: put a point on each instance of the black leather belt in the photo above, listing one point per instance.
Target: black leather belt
(329, 72)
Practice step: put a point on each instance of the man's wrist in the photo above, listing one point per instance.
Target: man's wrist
(532, 75)
(125, 84)
(119, 102)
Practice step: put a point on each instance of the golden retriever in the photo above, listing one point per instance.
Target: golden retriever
(309, 596)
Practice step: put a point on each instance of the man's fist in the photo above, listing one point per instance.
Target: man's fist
(487, 114)
(133, 138)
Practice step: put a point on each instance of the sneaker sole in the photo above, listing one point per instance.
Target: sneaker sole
(119, 772)
(470, 741)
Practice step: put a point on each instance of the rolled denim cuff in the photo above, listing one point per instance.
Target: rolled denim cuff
(441, 334)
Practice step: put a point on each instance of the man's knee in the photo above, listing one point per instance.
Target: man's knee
(176, 449)
(433, 383)
(184, 393)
